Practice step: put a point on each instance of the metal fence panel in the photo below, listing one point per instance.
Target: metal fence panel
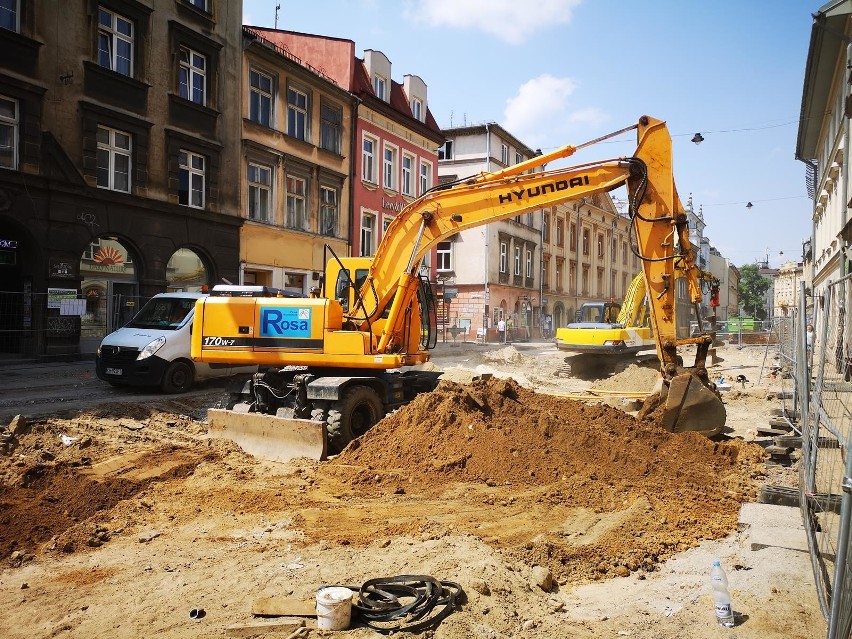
(824, 381)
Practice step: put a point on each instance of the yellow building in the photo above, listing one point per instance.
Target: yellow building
(296, 167)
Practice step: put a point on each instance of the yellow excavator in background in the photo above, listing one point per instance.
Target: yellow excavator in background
(332, 365)
(608, 335)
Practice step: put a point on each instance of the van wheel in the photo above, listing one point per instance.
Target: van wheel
(178, 378)
(352, 416)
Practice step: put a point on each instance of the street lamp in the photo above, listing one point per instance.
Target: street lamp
(697, 139)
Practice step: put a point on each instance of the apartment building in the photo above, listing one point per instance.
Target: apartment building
(117, 151)
(824, 142)
(729, 280)
(786, 290)
(493, 271)
(297, 129)
(586, 256)
(393, 139)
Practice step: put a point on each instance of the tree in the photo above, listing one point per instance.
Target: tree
(752, 290)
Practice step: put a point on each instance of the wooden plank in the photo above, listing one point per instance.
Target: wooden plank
(283, 607)
(254, 628)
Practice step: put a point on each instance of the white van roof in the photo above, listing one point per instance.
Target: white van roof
(182, 295)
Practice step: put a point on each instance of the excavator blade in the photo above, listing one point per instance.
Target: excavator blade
(269, 437)
(691, 406)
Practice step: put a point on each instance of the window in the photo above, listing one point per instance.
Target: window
(8, 133)
(417, 109)
(425, 177)
(572, 277)
(545, 228)
(113, 160)
(446, 151)
(260, 97)
(201, 4)
(444, 256)
(558, 279)
(379, 86)
(115, 41)
(407, 180)
(585, 290)
(586, 240)
(517, 260)
(504, 266)
(297, 113)
(331, 126)
(191, 179)
(296, 209)
(9, 15)
(389, 168)
(545, 272)
(518, 158)
(572, 237)
(560, 233)
(529, 263)
(328, 211)
(600, 245)
(504, 154)
(193, 76)
(368, 160)
(624, 252)
(259, 192)
(600, 283)
(368, 230)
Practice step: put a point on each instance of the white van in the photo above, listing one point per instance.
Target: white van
(153, 349)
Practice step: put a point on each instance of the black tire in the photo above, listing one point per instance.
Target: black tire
(352, 415)
(178, 378)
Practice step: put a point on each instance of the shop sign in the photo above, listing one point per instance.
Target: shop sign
(63, 269)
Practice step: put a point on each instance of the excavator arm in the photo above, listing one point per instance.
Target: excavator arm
(660, 236)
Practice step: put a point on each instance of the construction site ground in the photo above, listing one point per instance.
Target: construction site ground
(120, 517)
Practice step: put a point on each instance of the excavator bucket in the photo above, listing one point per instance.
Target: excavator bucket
(686, 404)
(269, 437)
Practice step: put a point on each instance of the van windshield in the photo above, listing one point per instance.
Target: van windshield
(166, 313)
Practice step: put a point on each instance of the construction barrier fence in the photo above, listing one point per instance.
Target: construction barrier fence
(821, 384)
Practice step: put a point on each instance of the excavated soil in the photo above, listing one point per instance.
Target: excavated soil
(641, 492)
(119, 520)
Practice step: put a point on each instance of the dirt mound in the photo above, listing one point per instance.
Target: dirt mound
(61, 501)
(634, 378)
(645, 491)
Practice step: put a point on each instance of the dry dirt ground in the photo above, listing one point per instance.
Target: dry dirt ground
(117, 521)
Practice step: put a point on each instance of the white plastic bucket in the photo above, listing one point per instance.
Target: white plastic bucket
(334, 608)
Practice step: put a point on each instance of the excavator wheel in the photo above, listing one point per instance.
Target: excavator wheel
(351, 416)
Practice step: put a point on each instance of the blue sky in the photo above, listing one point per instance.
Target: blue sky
(557, 72)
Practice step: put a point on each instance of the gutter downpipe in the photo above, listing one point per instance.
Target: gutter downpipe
(353, 176)
(486, 230)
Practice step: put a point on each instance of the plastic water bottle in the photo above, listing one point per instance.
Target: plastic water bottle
(721, 597)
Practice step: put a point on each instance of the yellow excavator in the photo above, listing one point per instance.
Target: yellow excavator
(334, 364)
(608, 335)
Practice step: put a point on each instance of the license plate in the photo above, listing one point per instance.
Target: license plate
(114, 371)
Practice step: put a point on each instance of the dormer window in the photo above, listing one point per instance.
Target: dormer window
(417, 109)
(380, 87)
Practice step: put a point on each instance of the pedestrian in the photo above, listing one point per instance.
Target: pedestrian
(501, 330)
(809, 338)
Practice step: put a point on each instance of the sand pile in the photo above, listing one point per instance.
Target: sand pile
(633, 378)
(671, 491)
